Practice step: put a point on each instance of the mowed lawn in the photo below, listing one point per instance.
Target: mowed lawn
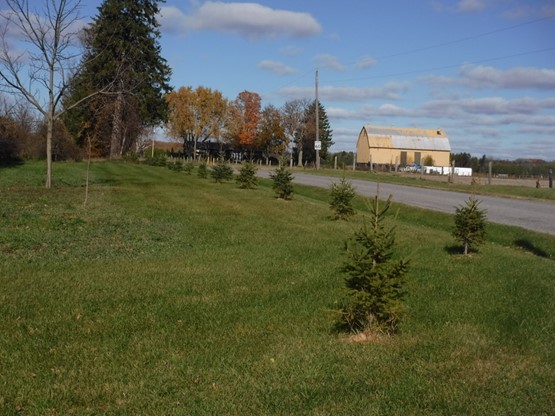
(168, 294)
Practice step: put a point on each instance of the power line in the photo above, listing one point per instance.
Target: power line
(467, 38)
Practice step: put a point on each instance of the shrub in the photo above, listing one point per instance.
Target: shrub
(470, 224)
(341, 199)
(9, 144)
(175, 165)
(222, 172)
(188, 167)
(131, 157)
(283, 183)
(157, 160)
(374, 279)
(247, 176)
(202, 171)
(428, 161)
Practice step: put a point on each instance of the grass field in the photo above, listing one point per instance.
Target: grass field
(168, 294)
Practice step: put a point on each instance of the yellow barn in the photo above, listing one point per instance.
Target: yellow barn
(402, 146)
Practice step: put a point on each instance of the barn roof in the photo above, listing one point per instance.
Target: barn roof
(407, 138)
(419, 142)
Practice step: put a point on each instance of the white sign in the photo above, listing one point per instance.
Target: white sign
(318, 145)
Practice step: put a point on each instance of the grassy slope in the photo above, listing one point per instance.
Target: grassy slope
(169, 294)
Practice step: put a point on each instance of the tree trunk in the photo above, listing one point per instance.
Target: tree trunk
(49, 129)
(195, 149)
(115, 142)
(300, 160)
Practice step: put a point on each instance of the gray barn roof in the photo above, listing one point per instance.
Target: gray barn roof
(420, 143)
(408, 138)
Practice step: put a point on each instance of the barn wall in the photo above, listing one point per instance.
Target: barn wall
(363, 150)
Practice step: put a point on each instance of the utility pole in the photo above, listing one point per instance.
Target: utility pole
(317, 143)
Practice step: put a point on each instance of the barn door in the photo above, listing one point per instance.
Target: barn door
(403, 158)
(417, 157)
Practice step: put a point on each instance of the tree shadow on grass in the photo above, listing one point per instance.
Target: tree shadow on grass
(531, 248)
(458, 250)
(10, 163)
(454, 250)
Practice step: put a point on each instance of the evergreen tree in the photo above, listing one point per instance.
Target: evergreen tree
(470, 224)
(341, 199)
(221, 172)
(374, 279)
(122, 54)
(247, 176)
(202, 171)
(283, 183)
(309, 132)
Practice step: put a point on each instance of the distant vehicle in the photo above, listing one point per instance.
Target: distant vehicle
(414, 167)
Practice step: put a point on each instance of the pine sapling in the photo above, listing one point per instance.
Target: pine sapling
(222, 172)
(374, 279)
(188, 167)
(247, 176)
(341, 199)
(470, 224)
(283, 183)
(202, 171)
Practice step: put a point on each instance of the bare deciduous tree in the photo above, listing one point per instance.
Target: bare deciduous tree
(293, 120)
(41, 72)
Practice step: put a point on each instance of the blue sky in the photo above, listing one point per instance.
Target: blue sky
(483, 70)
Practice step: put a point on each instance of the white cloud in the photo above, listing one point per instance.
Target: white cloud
(342, 113)
(247, 19)
(365, 62)
(276, 67)
(389, 91)
(467, 6)
(479, 113)
(329, 62)
(291, 51)
(519, 12)
(479, 77)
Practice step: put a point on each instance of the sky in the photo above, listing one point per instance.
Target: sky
(482, 70)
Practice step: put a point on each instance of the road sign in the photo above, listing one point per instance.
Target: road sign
(318, 145)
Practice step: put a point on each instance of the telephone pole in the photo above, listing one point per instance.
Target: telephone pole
(317, 143)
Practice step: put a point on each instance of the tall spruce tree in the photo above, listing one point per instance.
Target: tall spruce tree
(122, 53)
(309, 132)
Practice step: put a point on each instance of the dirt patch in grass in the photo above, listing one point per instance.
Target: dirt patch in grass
(370, 337)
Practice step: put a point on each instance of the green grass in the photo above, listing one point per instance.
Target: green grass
(173, 295)
(480, 188)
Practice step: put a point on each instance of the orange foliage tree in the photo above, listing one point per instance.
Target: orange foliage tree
(244, 118)
(195, 115)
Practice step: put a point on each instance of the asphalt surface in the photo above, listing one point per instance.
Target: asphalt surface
(529, 214)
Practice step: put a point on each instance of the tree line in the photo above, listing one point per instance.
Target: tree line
(202, 115)
(521, 168)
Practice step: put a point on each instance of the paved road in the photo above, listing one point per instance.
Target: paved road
(533, 215)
